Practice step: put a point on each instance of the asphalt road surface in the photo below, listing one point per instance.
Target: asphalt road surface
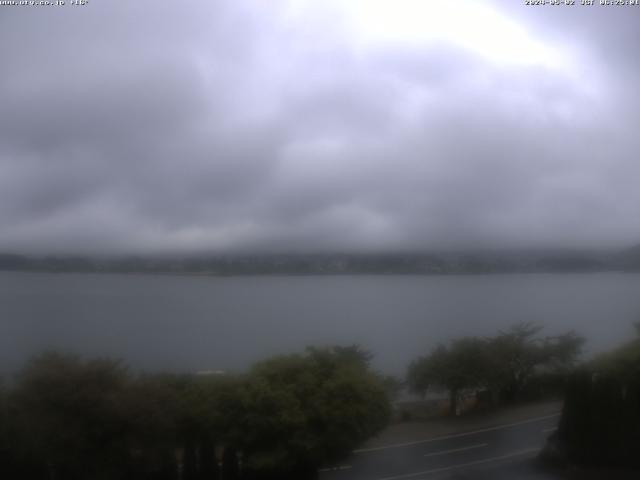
(501, 452)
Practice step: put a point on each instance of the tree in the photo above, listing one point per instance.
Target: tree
(68, 413)
(518, 353)
(179, 420)
(502, 365)
(600, 423)
(300, 411)
(622, 362)
(82, 419)
(462, 364)
(152, 408)
(4, 427)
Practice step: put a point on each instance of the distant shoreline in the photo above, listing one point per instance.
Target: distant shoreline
(160, 273)
(321, 264)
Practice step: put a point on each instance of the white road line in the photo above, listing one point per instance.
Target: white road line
(462, 465)
(456, 435)
(333, 469)
(454, 450)
(547, 430)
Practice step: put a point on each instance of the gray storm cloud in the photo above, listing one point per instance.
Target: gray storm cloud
(141, 127)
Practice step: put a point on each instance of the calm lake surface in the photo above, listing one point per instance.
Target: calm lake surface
(187, 323)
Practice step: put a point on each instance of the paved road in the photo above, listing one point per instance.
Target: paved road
(501, 452)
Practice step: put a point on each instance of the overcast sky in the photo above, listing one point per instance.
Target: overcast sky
(177, 126)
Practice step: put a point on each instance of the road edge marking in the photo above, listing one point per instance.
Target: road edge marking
(462, 465)
(455, 435)
(335, 469)
(455, 450)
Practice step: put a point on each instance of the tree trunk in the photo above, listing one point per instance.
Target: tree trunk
(453, 402)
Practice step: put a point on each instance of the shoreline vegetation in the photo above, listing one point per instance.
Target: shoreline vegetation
(481, 372)
(409, 263)
(66, 417)
(75, 418)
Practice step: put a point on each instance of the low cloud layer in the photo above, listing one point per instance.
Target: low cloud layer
(210, 126)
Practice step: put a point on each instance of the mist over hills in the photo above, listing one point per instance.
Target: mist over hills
(417, 263)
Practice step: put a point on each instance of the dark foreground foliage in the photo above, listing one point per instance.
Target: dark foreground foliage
(66, 418)
(600, 424)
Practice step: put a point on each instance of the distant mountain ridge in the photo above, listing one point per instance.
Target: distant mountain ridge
(339, 263)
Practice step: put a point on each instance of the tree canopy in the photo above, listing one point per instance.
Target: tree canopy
(86, 419)
(600, 423)
(502, 364)
(308, 409)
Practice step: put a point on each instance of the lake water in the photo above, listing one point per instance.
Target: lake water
(195, 323)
